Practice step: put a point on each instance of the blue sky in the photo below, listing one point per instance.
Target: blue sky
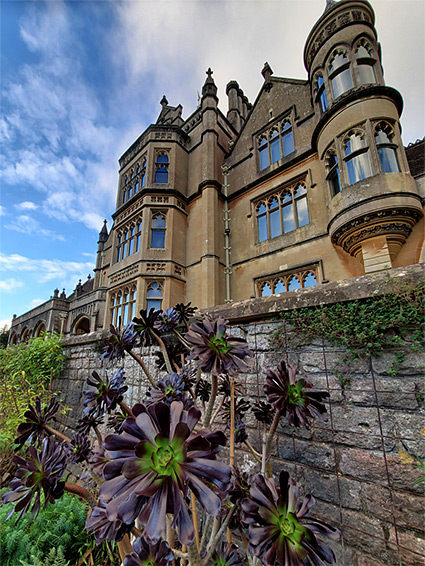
(80, 80)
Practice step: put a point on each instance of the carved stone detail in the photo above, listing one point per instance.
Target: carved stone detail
(155, 267)
(124, 274)
(129, 211)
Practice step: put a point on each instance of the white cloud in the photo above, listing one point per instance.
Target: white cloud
(2, 210)
(6, 323)
(35, 303)
(46, 269)
(26, 205)
(28, 225)
(10, 285)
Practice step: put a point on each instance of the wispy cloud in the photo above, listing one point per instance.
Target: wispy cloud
(28, 225)
(26, 205)
(10, 285)
(46, 269)
(35, 303)
(2, 210)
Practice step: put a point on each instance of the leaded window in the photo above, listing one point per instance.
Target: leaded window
(276, 143)
(356, 152)
(161, 168)
(154, 296)
(128, 239)
(387, 149)
(340, 73)
(321, 93)
(288, 281)
(333, 176)
(365, 63)
(158, 230)
(282, 212)
(123, 305)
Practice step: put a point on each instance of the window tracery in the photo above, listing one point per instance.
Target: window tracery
(333, 175)
(123, 305)
(320, 90)
(288, 281)
(128, 239)
(340, 72)
(282, 212)
(161, 168)
(387, 149)
(365, 62)
(276, 143)
(134, 180)
(154, 295)
(158, 227)
(356, 152)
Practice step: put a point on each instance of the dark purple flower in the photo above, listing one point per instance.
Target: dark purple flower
(224, 386)
(241, 407)
(33, 429)
(159, 457)
(172, 388)
(80, 447)
(107, 395)
(148, 554)
(294, 396)
(215, 351)
(117, 344)
(116, 420)
(144, 326)
(263, 412)
(203, 390)
(97, 460)
(167, 320)
(88, 421)
(104, 529)
(280, 529)
(226, 555)
(39, 472)
(240, 431)
(185, 312)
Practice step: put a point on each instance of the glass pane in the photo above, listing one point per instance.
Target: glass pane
(335, 181)
(287, 143)
(300, 190)
(310, 280)
(389, 161)
(262, 228)
(130, 191)
(288, 218)
(118, 253)
(130, 247)
(275, 229)
(367, 75)
(123, 251)
(323, 101)
(382, 137)
(286, 126)
(320, 81)
(362, 52)
(262, 208)
(139, 226)
(153, 304)
(136, 187)
(342, 82)
(158, 221)
(302, 210)
(264, 157)
(358, 168)
(275, 150)
(273, 203)
(142, 179)
(287, 197)
(124, 196)
(136, 247)
(154, 291)
(280, 287)
(125, 314)
(266, 290)
(158, 239)
(338, 60)
(138, 169)
(294, 283)
(161, 175)
(162, 158)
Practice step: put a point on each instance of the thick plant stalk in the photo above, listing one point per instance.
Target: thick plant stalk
(99, 436)
(58, 434)
(211, 402)
(144, 367)
(183, 561)
(256, 454)
(195, 520)
(271, 435)
(205, 531)
(264, 446)
(126, 409)
(182, 340)
(82, 492)
(124, 547)
(214, 531)
(232, 422)
(218, 409)
(164, 352)
(216, 540)
(193, 555)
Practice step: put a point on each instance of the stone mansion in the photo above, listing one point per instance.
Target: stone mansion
(308, 184)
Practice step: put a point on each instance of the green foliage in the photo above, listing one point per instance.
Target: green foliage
(40, 358)
(4, 336)
(55, 537)
(364, 326)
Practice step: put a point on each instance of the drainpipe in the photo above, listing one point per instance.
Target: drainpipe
(227, 248)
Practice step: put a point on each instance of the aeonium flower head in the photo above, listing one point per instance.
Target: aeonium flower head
(294, 396)
(144, 326)
(167, 320)
(215, 351)
(185, 312)
(107, 394)
(39, 472)
(148, 554)
(33, 429)
(118, 343)
(263, 412)
(280, 529)
(80, 447)
(102, 528)
(226, 555)
(160, 457)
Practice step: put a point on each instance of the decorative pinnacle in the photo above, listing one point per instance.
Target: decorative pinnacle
(164, 101)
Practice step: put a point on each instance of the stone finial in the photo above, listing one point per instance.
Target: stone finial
(164, 101)
(209, 88)
(56, 293)
(267, 74)
(103, 234)
(63, 294)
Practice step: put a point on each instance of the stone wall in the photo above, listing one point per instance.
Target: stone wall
(351, 464)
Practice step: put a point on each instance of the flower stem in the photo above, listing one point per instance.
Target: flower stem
(214, 416)
(124, 547)
(99, 436)
(144, 367)
(271, 435)
(232, 422)
(193, 555)
(256, 454)
(218, 536)
(58, 434)
(264, 446)
(211, 402)
(164, 352)
(126, 409)
(82, 492)
(182, 340)
(195, 519)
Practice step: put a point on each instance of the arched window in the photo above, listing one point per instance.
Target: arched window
(274, 145)
(365, 63)
(161, 168)
(279, 287)
(158, 231)
(288, 281)
(387, 149)
(25, 335)
(310, 280)
(294, 284)
(356, 157)
(263, 149)
(131, 240)
(13, 338)
(288, 212)
(116, 308)
(262, 222)
(333, 177)
(82, 326)
(41, 327)
(266, 290)
(119, 239)
(124, 195)
(154, 296)
(124, 253)
(287, 138)
(300, 196)
(340, 73)
(321, 93)
(274, 217)
(129, 192)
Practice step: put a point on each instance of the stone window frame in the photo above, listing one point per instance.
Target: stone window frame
(163, 166)
(129, 237)
(333, 175)
(154, 214)
(266, 142)
(370, 60)
(339, 70)
(134, 180)
(359, 156)
(390, 148)
(320, 91)
(279, 282)
(122, 303)
(157, 299)
(269, 210)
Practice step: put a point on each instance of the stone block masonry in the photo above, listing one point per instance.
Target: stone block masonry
(351, 463)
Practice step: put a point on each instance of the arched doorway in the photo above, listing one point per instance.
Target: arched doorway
(82, 326)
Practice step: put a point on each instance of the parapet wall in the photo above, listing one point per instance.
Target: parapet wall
(351, 463)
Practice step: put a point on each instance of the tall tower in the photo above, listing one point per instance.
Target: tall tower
(375, 203)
